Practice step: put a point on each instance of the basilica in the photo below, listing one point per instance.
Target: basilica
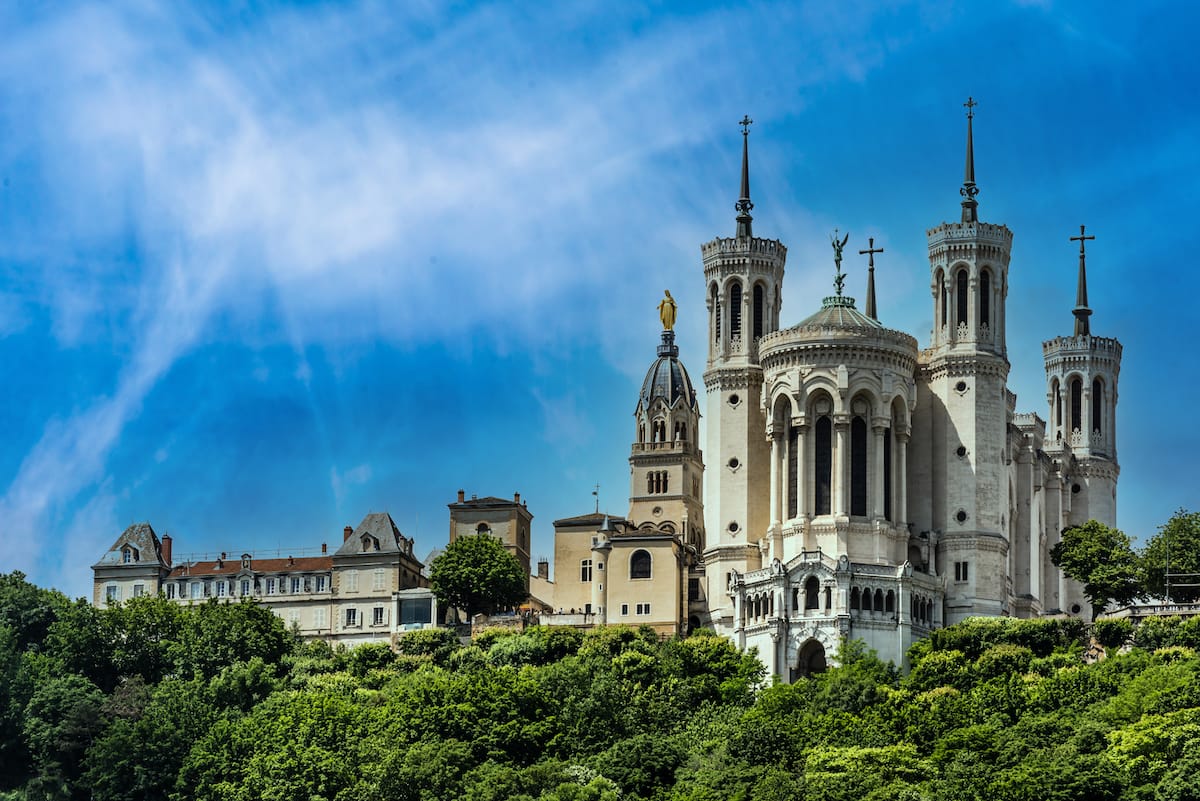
(852, 485)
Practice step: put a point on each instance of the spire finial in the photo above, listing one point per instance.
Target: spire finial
(744, 205)
(1081, 311)
(969, 205)
(870, 252)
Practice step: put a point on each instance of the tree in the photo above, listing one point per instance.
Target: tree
(1177, 543)
(476, 574)
(1102, 559)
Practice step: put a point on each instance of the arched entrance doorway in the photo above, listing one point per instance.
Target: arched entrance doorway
(810, 660)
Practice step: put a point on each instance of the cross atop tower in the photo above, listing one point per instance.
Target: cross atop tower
(743, 206)
(970, 206)
(870, 254)
(1081, 311)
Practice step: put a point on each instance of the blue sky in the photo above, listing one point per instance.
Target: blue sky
(265, 268)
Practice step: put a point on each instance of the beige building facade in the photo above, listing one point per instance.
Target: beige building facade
(362, 592)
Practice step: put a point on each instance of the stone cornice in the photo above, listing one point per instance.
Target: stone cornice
(720, 378)
(933, 364)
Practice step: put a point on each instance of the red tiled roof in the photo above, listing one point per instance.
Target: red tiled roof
(231, 566)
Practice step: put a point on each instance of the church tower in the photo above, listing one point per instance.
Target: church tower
(744, 277)
(666, 467)
(963, 404)
(1081, 379)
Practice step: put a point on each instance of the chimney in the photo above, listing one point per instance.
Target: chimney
(222, 556)
(166, 549)
(346, 532)
(291, 561)
(517, 498)
(462, 496)
(544, 569)
(323, 549)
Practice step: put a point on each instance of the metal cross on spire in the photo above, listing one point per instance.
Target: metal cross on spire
(870, 254)
(743, 206)
(596, 495)
(969, 190)
(1081, 311)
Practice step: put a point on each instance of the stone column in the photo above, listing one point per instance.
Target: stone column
(1085, 414)
(776, 485)
(876, 488)
(973, 305)
(801, 469)
(900, 471)
(840, 463)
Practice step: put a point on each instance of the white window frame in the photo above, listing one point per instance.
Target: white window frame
(246, 586)
(624, 610)
(112, 593)
(221, 589)
(319, 621)
(352, 620)
(378, 580)
(351, 581)
(585, 571)
(139, 590)
(378, 616)
(322, 584)
(297, 585)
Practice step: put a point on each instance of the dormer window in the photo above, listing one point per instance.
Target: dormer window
(129, 554)
(369, 544)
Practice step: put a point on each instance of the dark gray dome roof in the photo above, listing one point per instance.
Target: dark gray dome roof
(667, 378)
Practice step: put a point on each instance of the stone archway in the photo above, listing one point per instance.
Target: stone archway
(810, 660)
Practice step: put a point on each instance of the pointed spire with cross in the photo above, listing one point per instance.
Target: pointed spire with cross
(970, 206)
(870, 254)
(743, 206)
(1081, 311)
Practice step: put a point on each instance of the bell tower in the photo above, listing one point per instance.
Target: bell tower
(666, 467)
(744, 277)
(1081, 384)
(964, 401)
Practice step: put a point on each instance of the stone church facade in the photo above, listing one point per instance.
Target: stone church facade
(857, 486)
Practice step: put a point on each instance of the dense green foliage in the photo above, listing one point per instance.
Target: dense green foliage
(1102, 559)
(476, 574)
(1179, 539)
(219, 702)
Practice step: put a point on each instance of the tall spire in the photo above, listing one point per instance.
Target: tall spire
(969, 205)
(870, 253)
(744, 205)
(1081, 311)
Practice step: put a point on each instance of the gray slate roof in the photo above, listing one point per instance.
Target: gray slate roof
(383, 534)
(142, 537)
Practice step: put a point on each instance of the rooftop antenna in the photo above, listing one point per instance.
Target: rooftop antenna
(596, 495)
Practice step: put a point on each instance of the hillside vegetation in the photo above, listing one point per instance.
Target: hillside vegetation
(219, 701)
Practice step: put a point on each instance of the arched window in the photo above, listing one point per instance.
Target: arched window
(960, 279)
(878, 600)
(811, 592)
(649, 483)
(735, 310)
(985, 298)
(889, 602)
(1076, 404)
(858, 466)
(482, 528)
(126, 554)
(759, 310)
(823, 465)
(639, 565)
(585, 570)
(854, 598)
(1097, 405)
(828, 598)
